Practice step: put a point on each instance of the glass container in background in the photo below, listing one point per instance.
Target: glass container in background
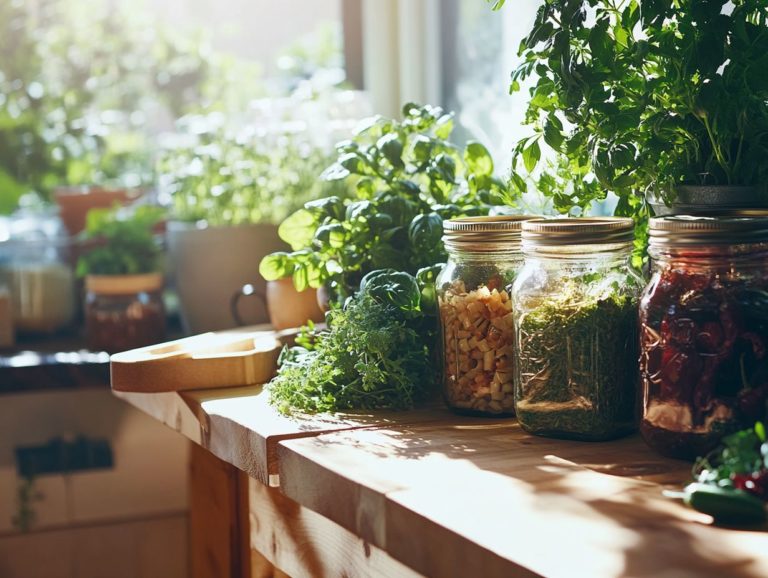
(575, 311)
(35, 269)
(123, 311)
(704, 331)
(476, 328)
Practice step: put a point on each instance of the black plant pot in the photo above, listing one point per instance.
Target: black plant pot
(708, 200)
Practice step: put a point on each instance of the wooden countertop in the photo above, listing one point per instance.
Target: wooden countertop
(453, 496)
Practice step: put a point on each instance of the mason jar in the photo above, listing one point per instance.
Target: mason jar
(574, 306)
(704, 331)
(123, 311)
(476, 328)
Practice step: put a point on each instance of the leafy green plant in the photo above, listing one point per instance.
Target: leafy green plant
(79, 83)
(26, 495)
(639, 97)
(234, 177)
(121, 242)
(372, 355)
(408, 177)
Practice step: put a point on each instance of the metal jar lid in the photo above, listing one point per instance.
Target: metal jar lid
(484, 234)
(578, 231)
(736, 227)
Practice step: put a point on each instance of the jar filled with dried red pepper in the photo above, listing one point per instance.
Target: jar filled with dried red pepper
(704, 331)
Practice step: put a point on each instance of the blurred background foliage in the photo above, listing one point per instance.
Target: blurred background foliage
(87, 87)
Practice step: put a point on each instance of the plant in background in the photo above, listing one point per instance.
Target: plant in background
(641, 97)
(122, 242)
(228, 177)
(26, 496)
(408, 177)
(80, 84)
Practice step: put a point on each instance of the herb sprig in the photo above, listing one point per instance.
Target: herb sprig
(372, 355)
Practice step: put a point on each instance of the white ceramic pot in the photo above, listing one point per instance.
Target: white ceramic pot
(209, 265)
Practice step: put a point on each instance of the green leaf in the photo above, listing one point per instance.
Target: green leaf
(333, 235)
(426, 232)
(444, 127)
(335, 172)
(327, 207)
(353, 163)
(394, 288)
(760, 431)
(553, 135)
(392, 149)
(531, 155)
(298, 230)
(276, 266)
(478, 159)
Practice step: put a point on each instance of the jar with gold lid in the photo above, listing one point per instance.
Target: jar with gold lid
(704, 331)
(476, 328)
(575, 313)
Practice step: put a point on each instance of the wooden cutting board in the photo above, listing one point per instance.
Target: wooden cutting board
(210, 360)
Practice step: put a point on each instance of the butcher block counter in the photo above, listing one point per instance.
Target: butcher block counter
(429, 493)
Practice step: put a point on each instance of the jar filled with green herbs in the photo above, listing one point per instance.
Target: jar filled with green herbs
(576, 337)
(476, 325)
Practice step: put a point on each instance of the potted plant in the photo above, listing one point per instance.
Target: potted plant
(229, 188)
(664, 100)
(408, 177)
(121, 264)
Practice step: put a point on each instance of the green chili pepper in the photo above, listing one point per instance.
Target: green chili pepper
(725, 504)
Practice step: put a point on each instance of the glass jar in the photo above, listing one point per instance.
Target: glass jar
(575, 313)
(123, 311)
(34, 266)
(704, 332)
(476, 328)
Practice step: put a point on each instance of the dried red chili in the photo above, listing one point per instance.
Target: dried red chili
(704, 333)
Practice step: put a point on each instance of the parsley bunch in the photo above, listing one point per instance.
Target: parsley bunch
(372, 355)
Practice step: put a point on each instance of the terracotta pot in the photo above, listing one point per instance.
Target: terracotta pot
(286, 306)
(75, 202)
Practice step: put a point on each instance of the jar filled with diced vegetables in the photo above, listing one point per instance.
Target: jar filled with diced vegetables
(476, 313)
(575, 311)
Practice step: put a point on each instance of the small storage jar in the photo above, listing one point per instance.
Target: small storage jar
(575, 312)
(123, 311)
(704, 331)
(476, 328)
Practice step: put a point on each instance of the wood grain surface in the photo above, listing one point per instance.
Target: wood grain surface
(304, 544)
(239, 426)
(453, 499)
(206, 361)
(448, 496)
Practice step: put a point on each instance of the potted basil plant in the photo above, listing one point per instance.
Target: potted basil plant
(408, 178)
(121, 262)
(657, 100)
